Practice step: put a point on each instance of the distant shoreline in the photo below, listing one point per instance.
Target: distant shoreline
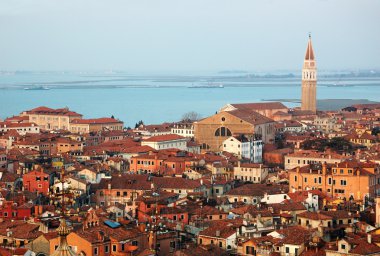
(329, 104)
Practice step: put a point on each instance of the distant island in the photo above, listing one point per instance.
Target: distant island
(329, 104)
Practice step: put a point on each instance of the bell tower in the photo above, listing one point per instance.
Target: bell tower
(309, 80)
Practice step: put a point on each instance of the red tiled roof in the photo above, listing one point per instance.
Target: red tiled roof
(49, 111)
(258, 190)
(103, 120)
(259, 106)
(316, 154)
(16, 125)
(325, 215)
(175, 183)
(295, 235)
(222, 229)
(250, 116)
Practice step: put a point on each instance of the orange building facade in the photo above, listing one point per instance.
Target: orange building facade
(349, 179)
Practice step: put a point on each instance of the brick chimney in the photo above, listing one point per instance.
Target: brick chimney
(100, 236)
(324, 168)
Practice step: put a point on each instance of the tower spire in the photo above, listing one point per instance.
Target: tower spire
(309, 50)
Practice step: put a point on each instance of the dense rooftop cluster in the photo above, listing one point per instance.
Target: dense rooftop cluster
(253, 179)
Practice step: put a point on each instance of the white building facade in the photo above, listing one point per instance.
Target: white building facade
(251, 149)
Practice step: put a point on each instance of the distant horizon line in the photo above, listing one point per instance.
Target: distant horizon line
(219, 71)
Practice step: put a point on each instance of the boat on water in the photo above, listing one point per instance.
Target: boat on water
(36, 88)
(206, 86)
(340, 85)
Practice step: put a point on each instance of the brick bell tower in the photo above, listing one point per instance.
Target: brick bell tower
(309, 80)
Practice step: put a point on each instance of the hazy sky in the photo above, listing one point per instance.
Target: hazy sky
(191, 35)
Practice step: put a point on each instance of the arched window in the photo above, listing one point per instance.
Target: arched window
(205, 146)
(223, 132)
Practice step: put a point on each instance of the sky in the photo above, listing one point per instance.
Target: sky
(187, 35)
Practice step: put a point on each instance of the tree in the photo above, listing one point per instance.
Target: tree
(191, 116)
(137, 125)
(376, 131)
(321, 144)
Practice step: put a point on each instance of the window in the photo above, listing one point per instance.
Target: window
(320, 180)
(343, 246)
(222, 132)
(114, 247)
(305, 179)
(106, 249)
(220, 244)
(96, 251)
(343, 182)
(287, 249)
(205, 146)
(135, 243)
(200, 241)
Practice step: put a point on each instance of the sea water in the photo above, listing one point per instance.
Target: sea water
(157, 99)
